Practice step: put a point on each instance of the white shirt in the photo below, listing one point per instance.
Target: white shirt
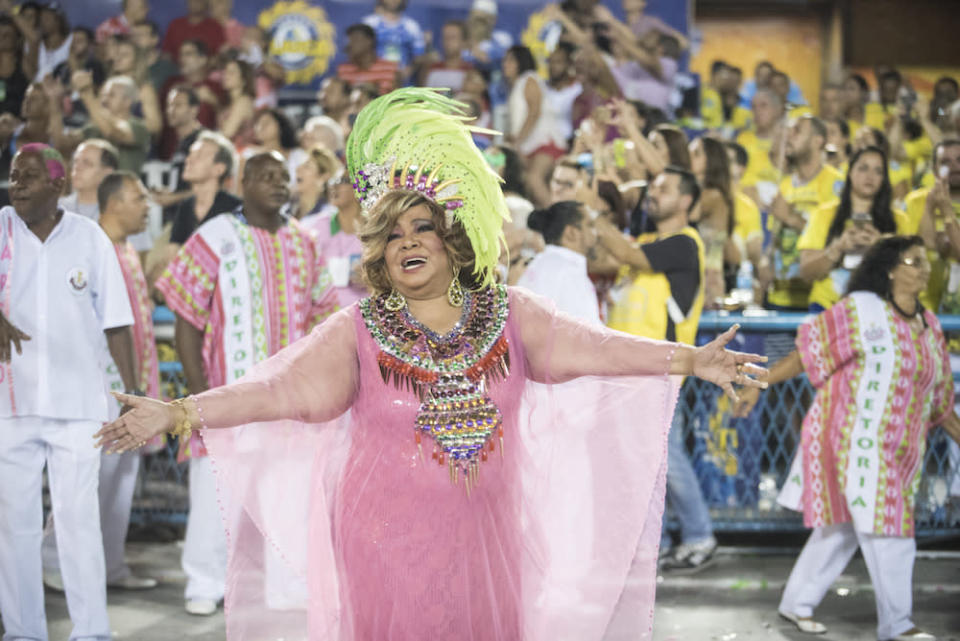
(63, 293)
(48, 60)
(560, 274)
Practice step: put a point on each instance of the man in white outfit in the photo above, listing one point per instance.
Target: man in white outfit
(62, 296)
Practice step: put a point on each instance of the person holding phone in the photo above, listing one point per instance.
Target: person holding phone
(838, 234)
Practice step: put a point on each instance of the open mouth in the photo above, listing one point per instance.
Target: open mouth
(414, 262)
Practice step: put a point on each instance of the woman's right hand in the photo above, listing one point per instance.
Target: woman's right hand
(147, 418)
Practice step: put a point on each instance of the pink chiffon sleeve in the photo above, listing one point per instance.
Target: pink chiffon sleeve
(560, 348)
(312, 381)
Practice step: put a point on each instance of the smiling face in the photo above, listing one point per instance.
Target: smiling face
(415, 256)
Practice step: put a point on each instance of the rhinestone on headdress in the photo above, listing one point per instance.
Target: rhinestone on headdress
(374, 181)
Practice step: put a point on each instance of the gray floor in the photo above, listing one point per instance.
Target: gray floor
(733, 600)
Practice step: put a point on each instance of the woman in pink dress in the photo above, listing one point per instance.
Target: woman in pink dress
(390, 471)
(880, 365)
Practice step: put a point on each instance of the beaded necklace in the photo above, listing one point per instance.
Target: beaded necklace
(449, 373)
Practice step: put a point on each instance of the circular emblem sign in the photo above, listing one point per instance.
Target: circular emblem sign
(301, 39)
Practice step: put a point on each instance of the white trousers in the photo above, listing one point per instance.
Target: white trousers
(66, 448)
(205, 546)
(829, 549)
(118, 482)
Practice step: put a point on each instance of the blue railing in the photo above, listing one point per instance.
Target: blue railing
(740, 463)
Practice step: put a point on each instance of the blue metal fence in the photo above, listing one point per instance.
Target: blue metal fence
(741, 463)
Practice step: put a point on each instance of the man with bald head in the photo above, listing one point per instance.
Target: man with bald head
(245, 285)
(62, 303)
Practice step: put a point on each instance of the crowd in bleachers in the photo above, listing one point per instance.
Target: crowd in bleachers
(596, 121)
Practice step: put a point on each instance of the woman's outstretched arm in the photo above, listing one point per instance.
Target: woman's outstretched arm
(313, 380)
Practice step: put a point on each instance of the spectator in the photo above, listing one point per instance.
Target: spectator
(932, 212)
(811, 185)
(559, 272)
(310, 192)
(235, 120)
(194, 68)
(82, 56)
(506, 163)
(831, 102)
(37, 119)
(183, 106)
(197, 25)
(763, 175)
(856, 96)
(146, 35)
(132, 13)
(449, 72)
(762, 78)
(325, 132)
(234, 31)
(641, 23)
(532, 128)
(838, 144)
(111, 118)
(566, 181)
(900, 174)
(128, 62)
(53, 44)
(671, 145)
(663, 299)
(838, 234)
(486, 45)
(562, 89)
(363, 65)
(747, 222)
(780, 84)
(714, 217)
(93, 161)
(209, 164)
(273, 131)
(599, 85)
(14, 80)
(889, 86)
(334, 99)
(399, 38)
(360, 96)
(336, 233)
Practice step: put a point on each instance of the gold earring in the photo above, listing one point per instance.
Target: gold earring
(455, 293)
(395, 301)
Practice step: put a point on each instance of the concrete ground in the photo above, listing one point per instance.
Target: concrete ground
(733, 600)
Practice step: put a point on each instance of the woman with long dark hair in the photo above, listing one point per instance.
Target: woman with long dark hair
(713, 215)
(881, 368)
(837, 235)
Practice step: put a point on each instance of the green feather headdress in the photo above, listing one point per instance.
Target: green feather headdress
(416, 139)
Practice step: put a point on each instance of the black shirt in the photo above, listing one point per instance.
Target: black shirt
(677, 258)
(185, 222)
(12, 91)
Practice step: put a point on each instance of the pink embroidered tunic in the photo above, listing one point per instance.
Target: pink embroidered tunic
(144, 342)
(880, 387)
(408, 480)
(250, 291)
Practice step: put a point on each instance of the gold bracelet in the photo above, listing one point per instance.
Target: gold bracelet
(183, 428)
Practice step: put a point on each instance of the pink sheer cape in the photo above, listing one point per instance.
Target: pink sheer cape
(338, 529)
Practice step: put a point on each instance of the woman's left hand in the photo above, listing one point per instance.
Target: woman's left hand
(715, 363)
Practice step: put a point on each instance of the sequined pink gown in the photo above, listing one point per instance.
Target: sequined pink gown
(390, 548)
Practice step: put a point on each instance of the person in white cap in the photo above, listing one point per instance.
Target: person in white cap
(487, 45)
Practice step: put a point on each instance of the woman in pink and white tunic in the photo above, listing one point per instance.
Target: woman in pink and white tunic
(880, 364)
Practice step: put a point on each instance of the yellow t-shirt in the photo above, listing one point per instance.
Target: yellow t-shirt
(760, 172)
(801, 110)
(827, 291)
(646, 306)
(899, 172)
(746, 220)
(788, 289)
(711, 108)
(875, 115)
(916, 202)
